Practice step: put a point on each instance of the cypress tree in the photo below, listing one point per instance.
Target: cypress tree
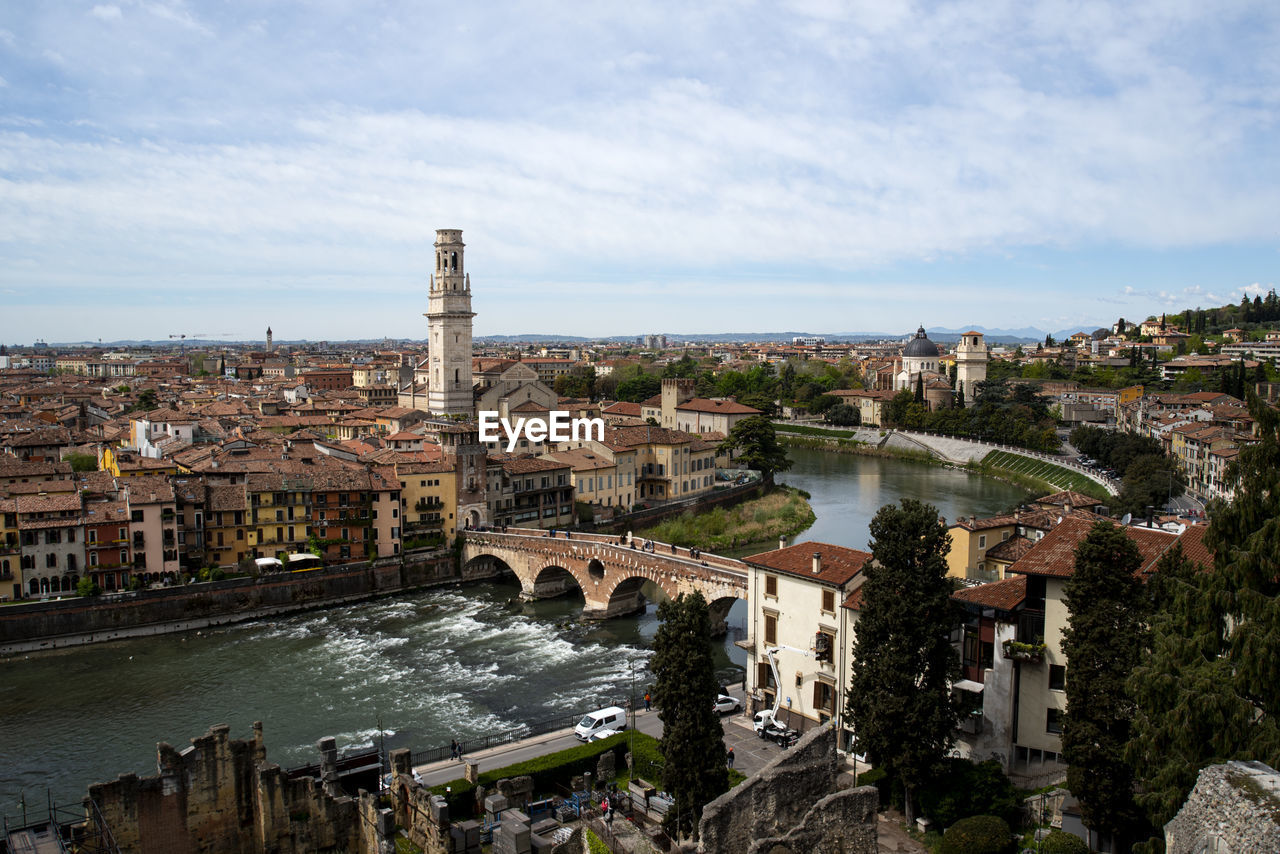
(1185, 720)
(899, 699)
(685, 690)
(1102, 643)
(920, 388)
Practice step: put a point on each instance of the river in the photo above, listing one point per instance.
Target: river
(446, 663)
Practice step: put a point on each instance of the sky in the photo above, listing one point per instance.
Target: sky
(214, 168)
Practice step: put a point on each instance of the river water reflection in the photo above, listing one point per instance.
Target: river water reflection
(446, 663)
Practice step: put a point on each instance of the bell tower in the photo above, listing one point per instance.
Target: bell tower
(449, 330)
(971, 362)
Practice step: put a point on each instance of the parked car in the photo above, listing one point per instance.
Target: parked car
(611, 718)
(726, 704)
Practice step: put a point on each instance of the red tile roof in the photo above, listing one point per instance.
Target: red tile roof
(1002, 595)
(838, 564)
(1055, 555)
(731, 407)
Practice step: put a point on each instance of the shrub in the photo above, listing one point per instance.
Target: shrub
(966, 788)
(595, 845)
(1060, 842)
(979, 834)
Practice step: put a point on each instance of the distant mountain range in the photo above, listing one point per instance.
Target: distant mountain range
(1024, 335)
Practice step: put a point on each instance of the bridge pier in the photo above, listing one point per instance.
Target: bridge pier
(621, 605)
(550, 587)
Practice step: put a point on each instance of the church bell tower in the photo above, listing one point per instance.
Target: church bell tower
(449, 330)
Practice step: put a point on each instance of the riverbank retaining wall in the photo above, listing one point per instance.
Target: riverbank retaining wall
(34, 626)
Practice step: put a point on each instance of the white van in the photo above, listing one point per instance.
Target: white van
(610, 718)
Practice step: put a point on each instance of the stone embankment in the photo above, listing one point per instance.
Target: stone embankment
(34, 626)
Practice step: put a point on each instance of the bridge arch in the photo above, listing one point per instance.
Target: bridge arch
(551, 581)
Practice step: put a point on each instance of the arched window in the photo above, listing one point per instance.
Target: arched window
(35, 587)
(453, 257)
(44, 585)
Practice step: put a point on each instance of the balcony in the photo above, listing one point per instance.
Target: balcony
(1032, 653)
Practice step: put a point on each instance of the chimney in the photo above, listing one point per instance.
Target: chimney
(782, 542)
(817, 562)
(1068, 506)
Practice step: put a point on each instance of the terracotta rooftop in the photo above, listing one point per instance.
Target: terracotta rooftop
(1055, 555)
(1002, 595)
(729, 407)
(838, 564)
(1010, 550)
(530, 465)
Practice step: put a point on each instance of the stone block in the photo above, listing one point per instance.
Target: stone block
(539, 844)
(545, 827)
(512, 837)
(495, 803)
(439, 809)
(515, 816)
(472, 831)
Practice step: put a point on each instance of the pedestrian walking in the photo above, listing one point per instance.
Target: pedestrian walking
(647, 705)
(673, 548)
(453, 749)
(729, 757)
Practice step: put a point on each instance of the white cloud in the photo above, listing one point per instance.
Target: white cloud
(703, 145)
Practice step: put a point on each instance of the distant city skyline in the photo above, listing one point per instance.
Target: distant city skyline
(210, 169)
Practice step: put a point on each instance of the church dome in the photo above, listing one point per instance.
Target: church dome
(921, 346)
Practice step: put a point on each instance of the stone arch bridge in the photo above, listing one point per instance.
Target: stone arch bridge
(608, 571)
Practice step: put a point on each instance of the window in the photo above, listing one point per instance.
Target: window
(982, 541)
(93, 535)
(829, 601)
(824, 697)
(136, 516)
(51, 560)
(771, 585)
(1053, 720)
(770, 628)
(1057, 677)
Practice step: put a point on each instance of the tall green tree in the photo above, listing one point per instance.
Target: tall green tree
(899, 699)
(1185, 719)
(756, 443)
(685, 689)
(1102, 643)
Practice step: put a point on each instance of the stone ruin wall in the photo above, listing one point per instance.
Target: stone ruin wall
(793, 807)
(1235, 806)
(220, 796)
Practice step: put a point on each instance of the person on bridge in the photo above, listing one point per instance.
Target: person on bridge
(673, 548)
(647, 701)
